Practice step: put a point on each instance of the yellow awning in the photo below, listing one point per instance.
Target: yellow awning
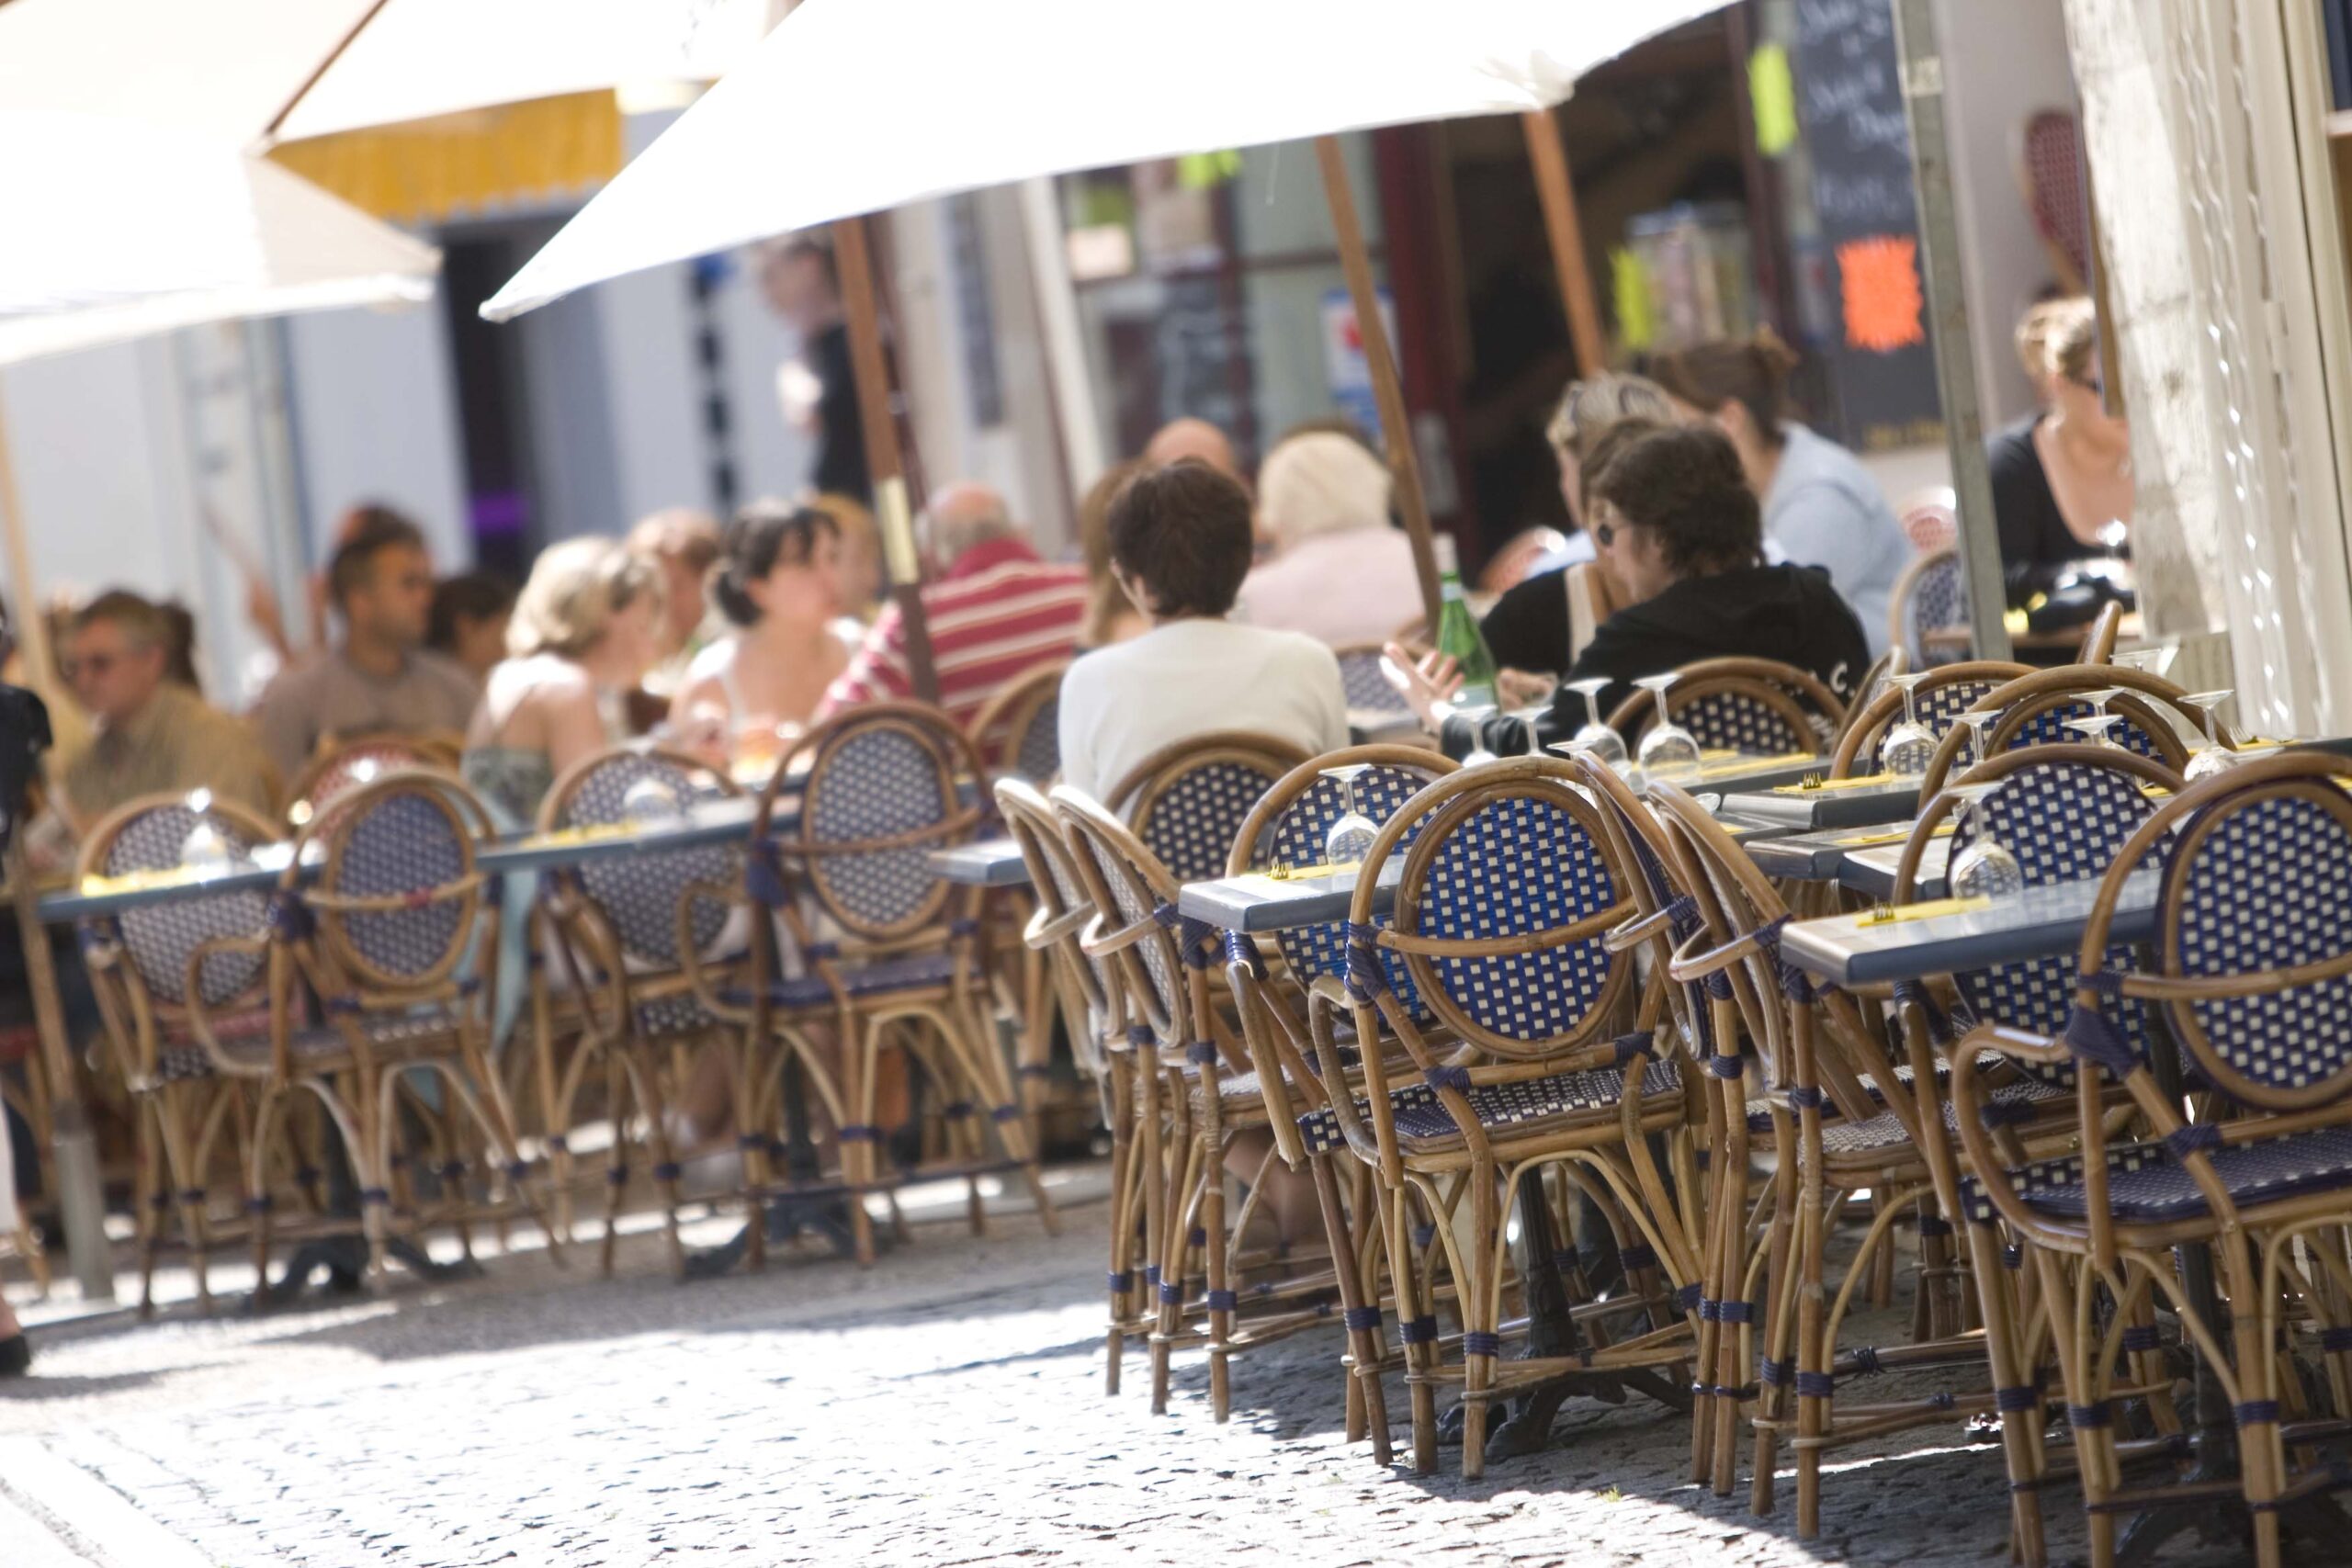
(462, 165)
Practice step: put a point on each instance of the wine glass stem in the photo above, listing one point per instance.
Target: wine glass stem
(1663, 718)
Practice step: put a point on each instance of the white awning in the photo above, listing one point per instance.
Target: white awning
(228, 67)
(855, 105)
(118, 230)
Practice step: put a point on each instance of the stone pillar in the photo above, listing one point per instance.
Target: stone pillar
(2188, 126)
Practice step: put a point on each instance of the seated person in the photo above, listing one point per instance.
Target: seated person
(1821, 506)
(1682, 529)
(469, 621)
(382, 676)
(1179, 549)
(1340, 572)
(994, 607)
(154, 735)
(2061, 478)
(584, 632)
(1533, 626)
(778, 583)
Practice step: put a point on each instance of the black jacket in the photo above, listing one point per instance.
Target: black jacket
(1527, 627)
(1788, 613)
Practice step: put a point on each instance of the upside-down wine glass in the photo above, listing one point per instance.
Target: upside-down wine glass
(650, 802)
(1985, 868)
(1604, 743)
(1668, 750)
(1909, 746)
(2096, 729)
(2210, 757)
(1349, 836)
(1980, 734)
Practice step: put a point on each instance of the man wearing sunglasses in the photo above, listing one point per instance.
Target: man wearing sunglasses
(155, 735)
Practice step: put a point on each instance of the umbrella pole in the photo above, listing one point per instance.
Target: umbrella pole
(80, 1195)
(883, 463)
(1388, 392)
(1557, 191)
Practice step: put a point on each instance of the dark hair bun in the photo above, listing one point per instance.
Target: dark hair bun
(763, 533)
(727, 591)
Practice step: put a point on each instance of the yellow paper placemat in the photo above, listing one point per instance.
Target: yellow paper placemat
(1892, 836)
(133, 881)
(585, 833)
(1886, 915)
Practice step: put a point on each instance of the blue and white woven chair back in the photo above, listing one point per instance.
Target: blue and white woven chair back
(350, 767)
(1035, 751)
(1935, 599)
(2257, 882)
(1366, 685)
(1190, 822)
(2046, 726)
(1523, 863)
(159, 938)
(2064, 822)
(1139, 890)
(409, 844)
(638, 894)
(1298, 842)
(1738, 721)
(877, 777)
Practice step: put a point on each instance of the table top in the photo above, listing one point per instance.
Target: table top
(1851, 803)
(1261, 903)
(985, 863)
(1856, 950)
(712, 822)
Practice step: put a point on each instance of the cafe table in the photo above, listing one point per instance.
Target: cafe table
(984, 862)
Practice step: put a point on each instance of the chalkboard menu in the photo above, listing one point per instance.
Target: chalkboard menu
(1850, 102)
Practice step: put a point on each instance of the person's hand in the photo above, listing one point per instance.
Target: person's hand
(1522, 688)
(1426, 683)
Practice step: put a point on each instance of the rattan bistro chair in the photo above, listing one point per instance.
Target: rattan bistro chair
(620, 928)
(1186, 801)
(1197, 1094)
(1755, 706)
(138, 963)
(2253, 975)
(392, 938)
(1932, 596)
(891, 949)
(1366, 683)
(1094, 1005)
(1939, 696)
(342, 765)
(1503, 901)
(1018, 730)
(1287, 834)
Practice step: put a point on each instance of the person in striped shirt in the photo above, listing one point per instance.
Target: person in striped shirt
(995, 610)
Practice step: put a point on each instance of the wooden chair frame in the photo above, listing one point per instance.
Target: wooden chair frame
(1912, 638)
(1609, 1151)
(180, 1120)
(2255, 1246)
(608, 985)
(1000, 728)
(2020, 701)
(1867, 723)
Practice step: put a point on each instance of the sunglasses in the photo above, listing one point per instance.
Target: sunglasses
(90, 664)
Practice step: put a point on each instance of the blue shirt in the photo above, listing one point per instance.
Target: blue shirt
(1825, 510)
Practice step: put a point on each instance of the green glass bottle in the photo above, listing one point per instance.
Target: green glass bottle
(1457, 631)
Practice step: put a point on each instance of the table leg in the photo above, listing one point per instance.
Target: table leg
(796, 1210)
(80, 1195)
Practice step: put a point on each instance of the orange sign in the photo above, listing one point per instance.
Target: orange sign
(1879, 279)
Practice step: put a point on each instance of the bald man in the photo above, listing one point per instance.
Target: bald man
(1195, 438)
(995, 610)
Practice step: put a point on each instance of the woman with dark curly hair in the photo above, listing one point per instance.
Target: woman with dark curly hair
(1674, 516)
(778, 582)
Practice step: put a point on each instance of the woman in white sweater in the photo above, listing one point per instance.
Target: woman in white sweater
(1179, 549)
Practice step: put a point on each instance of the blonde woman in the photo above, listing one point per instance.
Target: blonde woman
(1546, 620)
(2061, 483)
(587, 627)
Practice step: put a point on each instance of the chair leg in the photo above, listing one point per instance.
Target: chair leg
(646, 1069)
(1122, 1260)
(2020, 1427)
(618, 1106)
(1367, 1408)
(1480, 1282)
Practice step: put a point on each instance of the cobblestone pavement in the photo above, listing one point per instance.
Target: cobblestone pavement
(945, 1408)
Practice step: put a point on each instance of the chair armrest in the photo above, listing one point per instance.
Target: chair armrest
(1632, 933)
(1042, 933)
(1689, 965)
(200, 1017)
(699, 977)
